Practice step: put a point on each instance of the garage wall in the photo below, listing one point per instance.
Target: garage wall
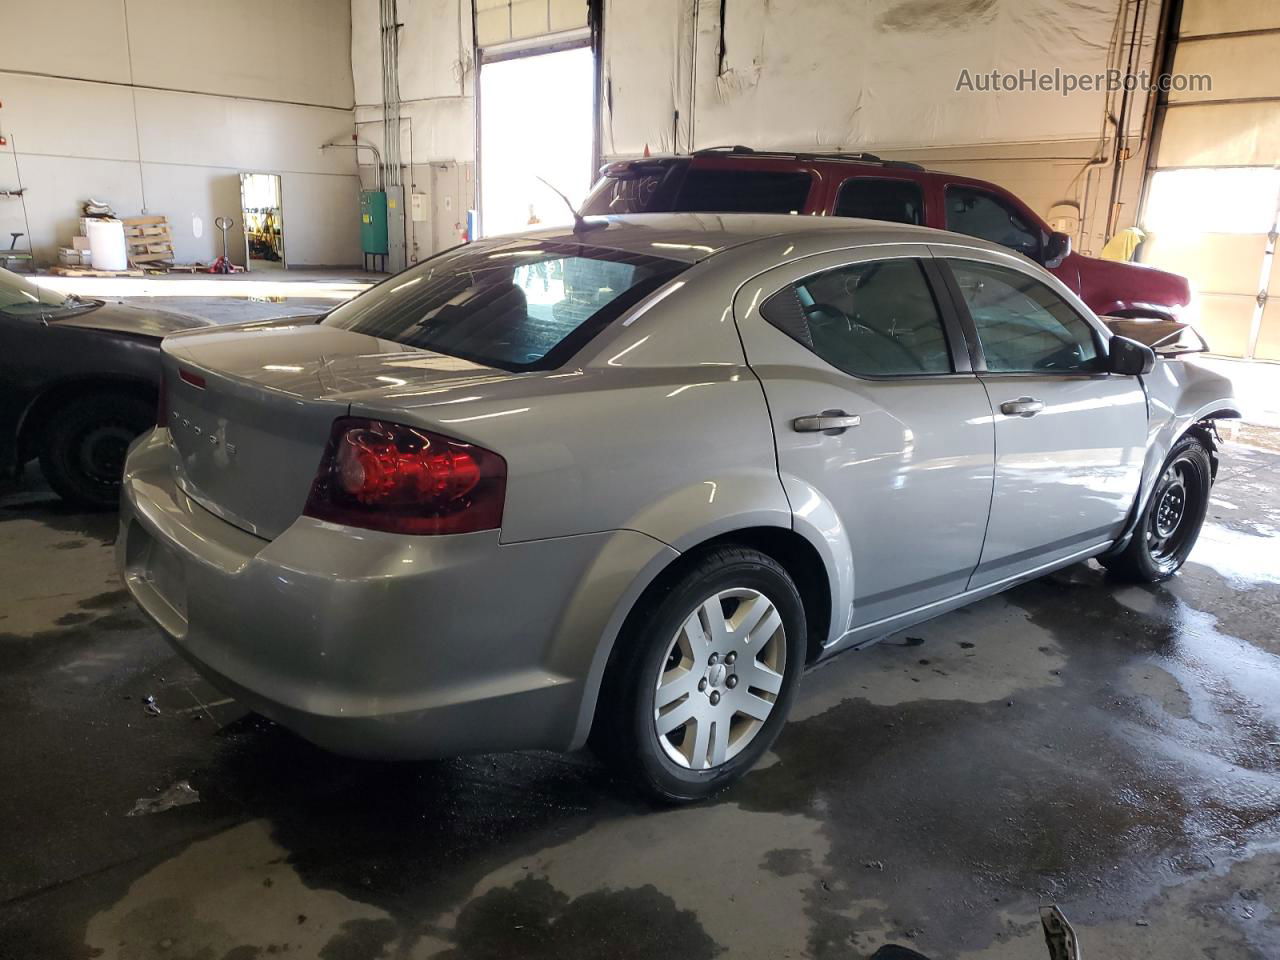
(157, 107)
(1221, 146)
(878, 75)
(437, 112)
(883, 76)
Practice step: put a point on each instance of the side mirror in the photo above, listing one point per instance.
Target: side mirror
(1056, 249)
(1129, 357)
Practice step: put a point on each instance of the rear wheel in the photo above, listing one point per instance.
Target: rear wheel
(704, 676)
(84, 444)
(1172, 519)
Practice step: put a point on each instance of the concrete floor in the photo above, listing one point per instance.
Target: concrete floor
(1113, 749)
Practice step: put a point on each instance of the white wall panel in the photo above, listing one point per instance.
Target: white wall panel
(68, 38)
(246, 134)
(295, 50)
(322, 219)
(187, 192)
(68, 117)
(57, 186)
(435, 59)
(182, 154)
(878, 74)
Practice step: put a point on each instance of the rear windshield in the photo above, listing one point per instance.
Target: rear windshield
(515, 305)
(677, 188)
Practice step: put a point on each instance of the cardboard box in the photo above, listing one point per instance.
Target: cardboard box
(80, 243)
(71, 257)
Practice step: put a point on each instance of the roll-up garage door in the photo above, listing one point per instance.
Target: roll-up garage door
(1213, 198)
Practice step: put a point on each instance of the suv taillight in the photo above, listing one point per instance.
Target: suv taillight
(402, 479)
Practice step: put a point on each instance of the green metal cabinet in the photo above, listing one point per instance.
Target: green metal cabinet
(373, 221)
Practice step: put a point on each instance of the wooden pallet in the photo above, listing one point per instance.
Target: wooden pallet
(148, 239)
(61, 271)
(176, 267)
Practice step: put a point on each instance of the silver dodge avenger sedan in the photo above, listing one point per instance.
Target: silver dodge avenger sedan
(623, 483)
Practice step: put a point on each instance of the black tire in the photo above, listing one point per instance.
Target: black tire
(84, 443)
(1171, 521)
(624, 733)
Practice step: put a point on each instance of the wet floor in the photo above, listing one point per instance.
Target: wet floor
(1111, 749)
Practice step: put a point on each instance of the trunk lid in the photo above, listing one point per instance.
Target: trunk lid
(250, 411)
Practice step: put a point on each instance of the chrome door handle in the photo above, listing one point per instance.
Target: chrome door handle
(833, 420)
(1022, 407)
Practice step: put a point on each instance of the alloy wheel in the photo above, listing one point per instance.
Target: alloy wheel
(720, 678)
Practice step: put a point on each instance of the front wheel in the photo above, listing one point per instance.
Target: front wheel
(1172, 518)
(704, 676)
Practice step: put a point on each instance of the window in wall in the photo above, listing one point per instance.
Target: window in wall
(874, 319)
(980, 213)
(1023, 326)
(898, 201)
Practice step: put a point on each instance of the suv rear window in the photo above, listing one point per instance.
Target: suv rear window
(673, 187)
(876, 198)
(743, 191)
(515, 305)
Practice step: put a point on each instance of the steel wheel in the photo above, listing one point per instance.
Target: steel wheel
(1170, 523)
(101, 451)
(720, 678)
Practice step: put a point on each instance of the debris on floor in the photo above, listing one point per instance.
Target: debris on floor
(180, 794)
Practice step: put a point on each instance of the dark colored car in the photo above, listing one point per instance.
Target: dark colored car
(741, 180)
(78, 381)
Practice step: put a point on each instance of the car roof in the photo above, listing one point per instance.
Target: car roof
(748, 154)
(692, 237)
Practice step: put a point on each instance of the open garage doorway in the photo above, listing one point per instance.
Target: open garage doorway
(536, 120)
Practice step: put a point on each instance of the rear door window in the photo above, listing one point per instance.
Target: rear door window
(743, 191)
(513, 305)
(874, 198)
(980, 213)
(875, 319)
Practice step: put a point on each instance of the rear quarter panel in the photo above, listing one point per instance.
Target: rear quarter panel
(658, 427)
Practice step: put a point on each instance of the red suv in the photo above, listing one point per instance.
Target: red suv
(741, 180)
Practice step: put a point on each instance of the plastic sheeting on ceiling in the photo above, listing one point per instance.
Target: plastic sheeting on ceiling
(833, 73)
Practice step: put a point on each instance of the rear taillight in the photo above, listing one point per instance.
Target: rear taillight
(402, 479)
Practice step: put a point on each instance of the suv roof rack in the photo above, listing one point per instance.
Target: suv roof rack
(790, 155)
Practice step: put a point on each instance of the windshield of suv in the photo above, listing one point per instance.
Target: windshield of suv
(20, 297)
(515, 305)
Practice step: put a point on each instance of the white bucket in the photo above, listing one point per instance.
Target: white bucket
(106, 241)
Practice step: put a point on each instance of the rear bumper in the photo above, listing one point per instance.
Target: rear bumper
(374, 644)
